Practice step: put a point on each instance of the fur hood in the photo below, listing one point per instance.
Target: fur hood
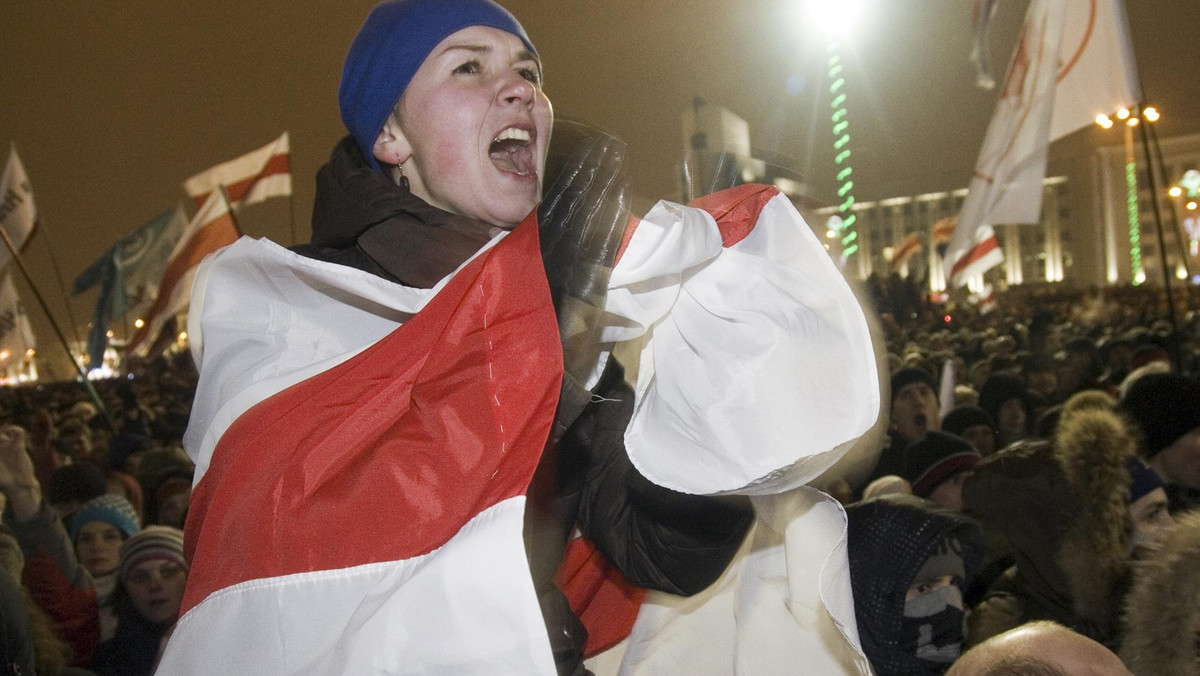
(1162, 613)
(1063, 507)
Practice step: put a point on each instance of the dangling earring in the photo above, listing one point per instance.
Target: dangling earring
(403, 180)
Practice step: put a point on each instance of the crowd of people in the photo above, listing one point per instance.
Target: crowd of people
(1041, 466)
(1053, 488)
(428, 383)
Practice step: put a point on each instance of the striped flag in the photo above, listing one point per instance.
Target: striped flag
(1072, 62)
(18, 215)
(210, 229)
(362, 448)
(906, 250)
(248, 179)
(16, 335)
(128, 275)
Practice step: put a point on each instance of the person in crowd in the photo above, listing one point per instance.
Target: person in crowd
(1041, 648)
(72, 486)
(449, 129)
(1063, 508)
(975, 425)
(152, 576)
(887, 485)
(1079, 368)
(914, 411)
(909, 562)
(1006, 399)
(1041, 375)
(1160, 620)
(1116, 357)
(1149, 513)
(77, 597)
(936, 466)
(1165, 408)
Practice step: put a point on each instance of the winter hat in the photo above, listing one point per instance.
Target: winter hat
(1165, 406)
(909, 375)
(935, 457)
(390, 47)
(962, 418)
(1143, 479)
(1000, 388)
(153, 543)
(109, 508)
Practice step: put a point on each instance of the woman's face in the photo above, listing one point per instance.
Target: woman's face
(473, 128)
(98, 546)
(156, 589)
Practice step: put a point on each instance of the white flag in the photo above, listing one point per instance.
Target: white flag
(1072, 62)
(249, 179)
(18, 215)
(16, 335)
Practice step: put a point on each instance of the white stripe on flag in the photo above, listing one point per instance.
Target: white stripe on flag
(17, 211)
(468, 608)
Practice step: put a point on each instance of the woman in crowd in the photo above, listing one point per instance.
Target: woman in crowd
(441, 372)
(152, 576)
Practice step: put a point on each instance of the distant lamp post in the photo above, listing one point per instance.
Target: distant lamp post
(1132, 211)
(836, 20)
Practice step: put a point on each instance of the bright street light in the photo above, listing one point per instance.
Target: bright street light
(1104, 121)
(1122, 113)
(835, 20)
(1151, 114)
(1175, 191)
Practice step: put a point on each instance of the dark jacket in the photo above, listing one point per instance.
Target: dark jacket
(658, 538)
(1063, 506)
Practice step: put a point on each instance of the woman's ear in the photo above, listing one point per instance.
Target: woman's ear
(391, 146)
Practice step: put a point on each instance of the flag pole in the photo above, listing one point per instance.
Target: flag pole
(62, 287)
(1158, 224)
(62, 339)
(1175, 227)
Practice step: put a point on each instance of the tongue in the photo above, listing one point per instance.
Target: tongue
(516, 160)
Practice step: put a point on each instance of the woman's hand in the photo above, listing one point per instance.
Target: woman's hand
(17, 479)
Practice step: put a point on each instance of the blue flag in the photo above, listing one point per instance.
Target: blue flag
(128, 275)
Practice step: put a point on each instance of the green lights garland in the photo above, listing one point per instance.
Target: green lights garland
(841, 140)
(1135, 237)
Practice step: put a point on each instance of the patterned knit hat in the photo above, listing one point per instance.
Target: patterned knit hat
(390, 47)
(153, 543)
(109, 508)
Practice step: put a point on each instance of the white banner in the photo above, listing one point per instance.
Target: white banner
(18, 214)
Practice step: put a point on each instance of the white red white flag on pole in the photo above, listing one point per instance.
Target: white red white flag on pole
(210, 229)
(906, 250)
(18, 215)
(1071, 63)
(249, 179)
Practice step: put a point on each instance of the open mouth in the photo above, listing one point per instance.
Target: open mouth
(919, 420)
(512, 152)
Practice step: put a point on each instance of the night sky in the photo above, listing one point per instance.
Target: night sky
(113, 104)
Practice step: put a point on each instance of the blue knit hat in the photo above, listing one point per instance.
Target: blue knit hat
(390, 47)
(109, 508)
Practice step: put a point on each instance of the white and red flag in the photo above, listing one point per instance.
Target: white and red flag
(249, 179)
(363, 448)
(210, 229)
(905, 250)
(1073, 61)
(18, 214)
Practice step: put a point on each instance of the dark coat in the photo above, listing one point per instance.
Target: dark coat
(1063, 507)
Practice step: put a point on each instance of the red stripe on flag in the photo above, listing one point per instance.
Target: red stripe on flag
(736, 209)
(395, 449)
(982, 249)
(276, 164)
(212, 236)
